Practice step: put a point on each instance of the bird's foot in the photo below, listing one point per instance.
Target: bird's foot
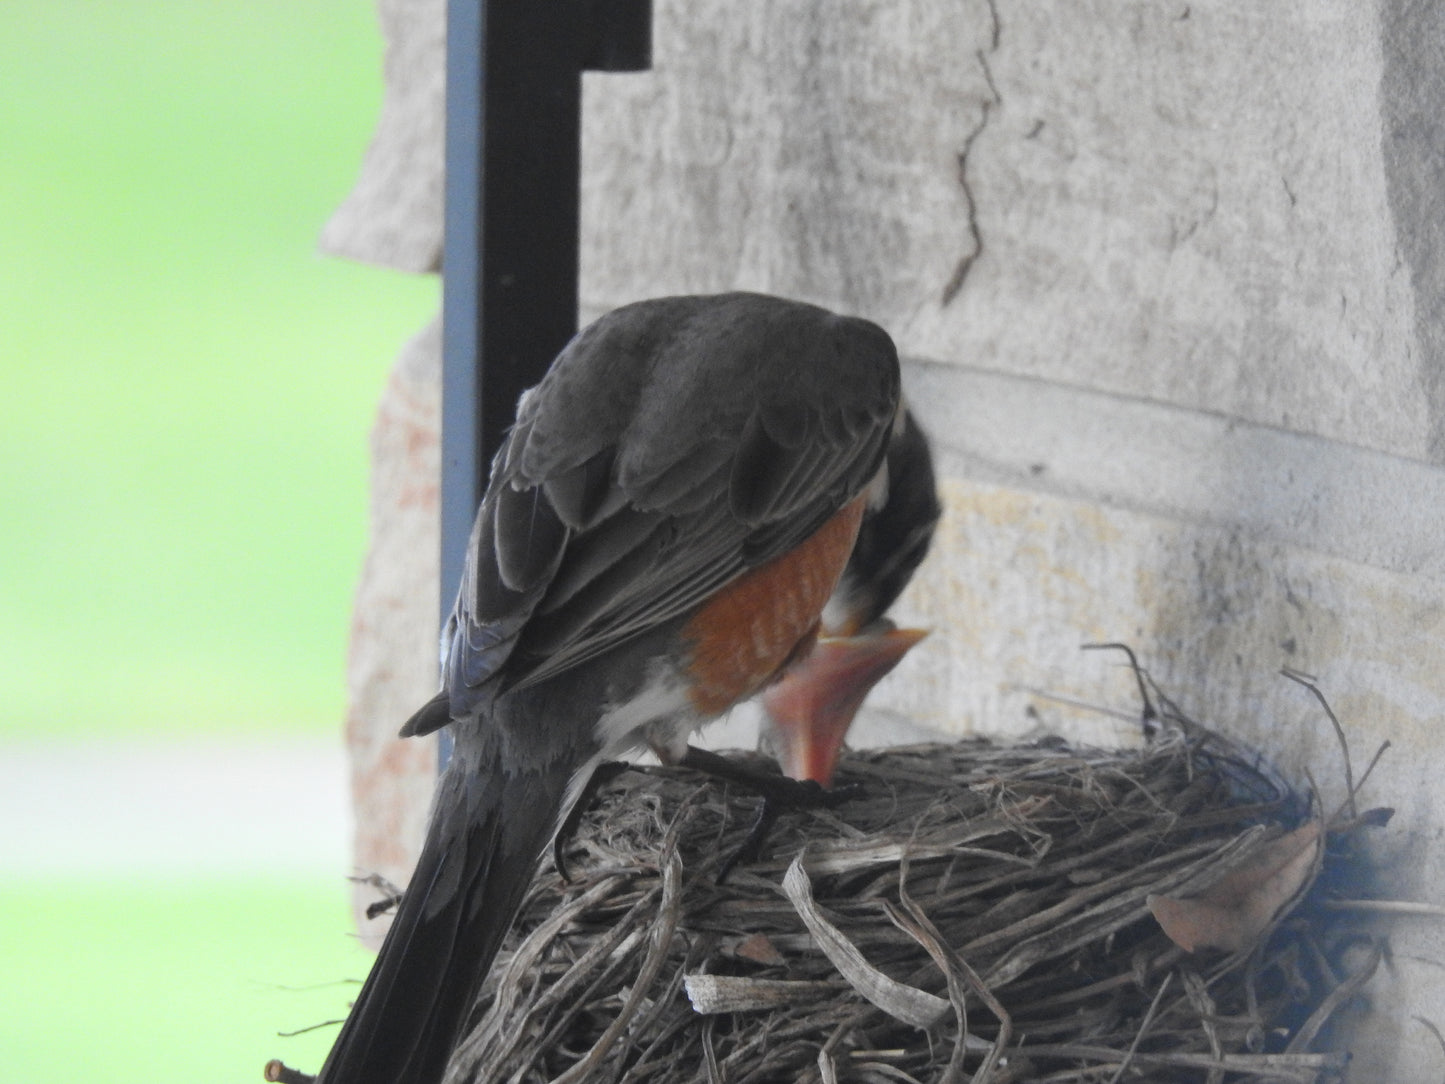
(777, 791)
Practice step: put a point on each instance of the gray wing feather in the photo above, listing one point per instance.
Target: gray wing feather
(673, 445)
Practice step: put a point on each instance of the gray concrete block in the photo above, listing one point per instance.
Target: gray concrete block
(1161, 201)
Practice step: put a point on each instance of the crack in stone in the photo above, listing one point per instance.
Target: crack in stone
(965, 264)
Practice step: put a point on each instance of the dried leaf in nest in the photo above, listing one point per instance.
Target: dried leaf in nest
(978, 913)
(1236, 909)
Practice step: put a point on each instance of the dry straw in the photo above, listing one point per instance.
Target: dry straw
(975, 913)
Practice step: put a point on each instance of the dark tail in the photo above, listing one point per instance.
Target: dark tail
(488, 829)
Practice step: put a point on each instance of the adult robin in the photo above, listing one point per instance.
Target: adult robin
(664, 524)
(808, 711)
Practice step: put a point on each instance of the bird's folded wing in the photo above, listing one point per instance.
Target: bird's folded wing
(601, 524)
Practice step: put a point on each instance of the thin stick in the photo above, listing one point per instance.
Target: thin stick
(1309, 683)
(1385, 907)
(1143, 1029)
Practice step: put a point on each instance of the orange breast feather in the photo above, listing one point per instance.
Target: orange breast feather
(746, 633)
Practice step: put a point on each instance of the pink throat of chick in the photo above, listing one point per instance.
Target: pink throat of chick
(809, 711)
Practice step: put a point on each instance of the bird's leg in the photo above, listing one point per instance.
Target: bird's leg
(777, 791)
(752, 845)
(603, 773)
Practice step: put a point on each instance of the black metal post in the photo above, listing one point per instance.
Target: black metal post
(509, 266)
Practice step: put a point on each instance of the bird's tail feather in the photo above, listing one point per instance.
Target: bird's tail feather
(480, 853)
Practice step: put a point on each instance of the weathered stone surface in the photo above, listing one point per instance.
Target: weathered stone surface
(392, 664)
(393, 216)
(1166, 201)
(789, 151)
(1277, 485)
(1412, 144)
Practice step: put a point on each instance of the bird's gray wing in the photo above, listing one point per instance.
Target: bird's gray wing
(674, 445)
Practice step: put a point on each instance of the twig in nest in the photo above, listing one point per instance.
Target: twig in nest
(1309, 683)
(278, 1072)
(391, 895)
(962, 980)
(1143, 1029)
(1435, 1031)
(309, 1028)
(1148, 717)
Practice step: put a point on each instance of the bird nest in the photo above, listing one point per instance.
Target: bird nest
(974, 912)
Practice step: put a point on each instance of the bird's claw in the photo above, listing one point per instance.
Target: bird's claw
(778, 793)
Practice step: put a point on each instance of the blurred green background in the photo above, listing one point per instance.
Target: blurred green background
(188, 391)
(188, 384)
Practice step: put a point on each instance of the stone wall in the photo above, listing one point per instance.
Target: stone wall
(1167, 278)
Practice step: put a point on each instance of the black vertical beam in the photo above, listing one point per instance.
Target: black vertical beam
(509, 266)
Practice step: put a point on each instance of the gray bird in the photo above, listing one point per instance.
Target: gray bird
(664, 524)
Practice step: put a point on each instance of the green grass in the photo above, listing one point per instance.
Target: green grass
(188, 386)
(188, 389)
(133, 984)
